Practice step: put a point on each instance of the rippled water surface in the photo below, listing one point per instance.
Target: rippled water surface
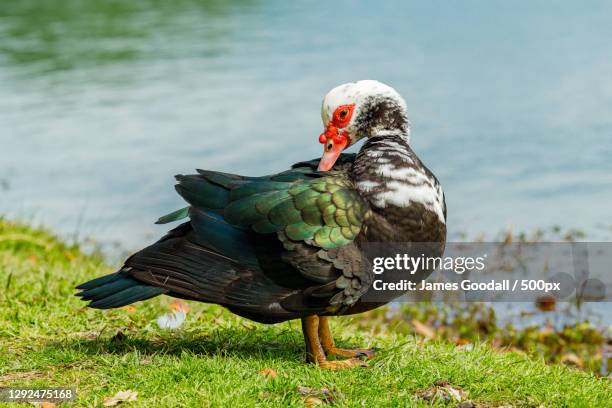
(102, 102)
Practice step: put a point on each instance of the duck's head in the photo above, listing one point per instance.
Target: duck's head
(356, 110)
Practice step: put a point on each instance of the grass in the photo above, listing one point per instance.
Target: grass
(48, 338)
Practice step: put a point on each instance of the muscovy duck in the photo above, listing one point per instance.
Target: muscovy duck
(289, 245)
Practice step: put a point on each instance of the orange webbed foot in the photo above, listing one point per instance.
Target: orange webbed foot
(364, 354)
(341, 364)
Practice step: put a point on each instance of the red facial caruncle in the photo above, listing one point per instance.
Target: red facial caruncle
(341, 117)
(334, 139)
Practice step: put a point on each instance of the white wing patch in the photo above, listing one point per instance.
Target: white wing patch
(402, 195)
(396, 177)
(367, 185)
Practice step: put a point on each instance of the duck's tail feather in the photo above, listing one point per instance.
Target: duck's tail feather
(116, 290)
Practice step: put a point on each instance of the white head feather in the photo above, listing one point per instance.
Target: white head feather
(358, 93)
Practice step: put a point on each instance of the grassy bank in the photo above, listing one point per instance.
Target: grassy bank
(47, 338)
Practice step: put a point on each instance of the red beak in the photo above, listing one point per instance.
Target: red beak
(333, 145)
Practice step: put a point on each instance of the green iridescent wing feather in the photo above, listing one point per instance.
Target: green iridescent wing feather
(316, 216)
(326, 212)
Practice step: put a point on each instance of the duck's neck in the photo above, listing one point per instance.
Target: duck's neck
(390, 176)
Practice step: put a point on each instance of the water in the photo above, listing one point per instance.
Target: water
(102, 102)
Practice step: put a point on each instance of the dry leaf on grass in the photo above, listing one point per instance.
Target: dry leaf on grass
(572, 359)
(423, 329)
(546, 303)
(268, 372)
(461, 341)
(444, 391)
(120, 397)
(129, 308)
(20, 375)
(44, 404)
(466, 347)
(472, 404)
(86, 334)
(313, 402)
(324, 394)
(179, 306)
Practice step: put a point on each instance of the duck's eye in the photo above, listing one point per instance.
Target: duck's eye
(342, 115)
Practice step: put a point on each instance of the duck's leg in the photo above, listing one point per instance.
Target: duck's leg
(327, 342)
(314, 350)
